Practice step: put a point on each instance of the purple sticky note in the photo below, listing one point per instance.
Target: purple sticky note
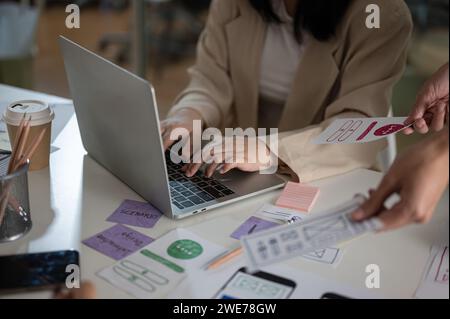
(135, 213)
(118, 242)
(251, 226)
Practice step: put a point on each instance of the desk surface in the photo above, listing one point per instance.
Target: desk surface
(71, 200)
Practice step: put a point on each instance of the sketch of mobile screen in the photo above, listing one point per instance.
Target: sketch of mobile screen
(260, 285)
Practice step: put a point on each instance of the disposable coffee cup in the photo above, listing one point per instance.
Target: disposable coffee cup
(41, 116)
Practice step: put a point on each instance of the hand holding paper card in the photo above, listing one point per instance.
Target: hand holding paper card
(360, 130)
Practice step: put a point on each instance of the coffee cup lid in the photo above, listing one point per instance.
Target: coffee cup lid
(38, 112)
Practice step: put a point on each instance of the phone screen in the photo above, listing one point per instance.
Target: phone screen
(260, 285)
(31, 271)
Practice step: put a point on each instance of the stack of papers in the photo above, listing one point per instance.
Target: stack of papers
(298, 196)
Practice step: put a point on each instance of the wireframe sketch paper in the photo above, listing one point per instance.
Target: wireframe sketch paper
(158, 268)
(329, 255)
(360, 130)
(285, 242)
(434, 283)
(254, 225)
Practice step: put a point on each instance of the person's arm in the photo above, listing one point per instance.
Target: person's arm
(374, 62)
(419, 177)
(431, 109)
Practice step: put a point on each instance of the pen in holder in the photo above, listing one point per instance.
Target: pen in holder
(15, 221)
(14, 203)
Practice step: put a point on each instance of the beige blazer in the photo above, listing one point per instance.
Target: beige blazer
(350, 75)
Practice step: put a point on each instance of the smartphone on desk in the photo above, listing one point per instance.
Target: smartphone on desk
(35, 272)
(259, 285)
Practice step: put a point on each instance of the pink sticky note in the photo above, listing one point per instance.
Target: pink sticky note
(298, 196)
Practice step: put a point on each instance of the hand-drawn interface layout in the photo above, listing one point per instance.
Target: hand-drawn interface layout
(156, 269)
(363, 130)
(285, 242)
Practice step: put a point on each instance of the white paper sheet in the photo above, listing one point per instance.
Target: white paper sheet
(331, 256)
(281, 243)
(158, 268)
(360, 130)
(434, 283)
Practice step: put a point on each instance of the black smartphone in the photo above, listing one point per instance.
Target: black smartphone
(331, 295)
(36, 271)
(259, 285)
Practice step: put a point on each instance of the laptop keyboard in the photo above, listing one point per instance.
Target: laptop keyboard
(187, 192)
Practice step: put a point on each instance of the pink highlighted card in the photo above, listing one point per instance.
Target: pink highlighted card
(298, 196)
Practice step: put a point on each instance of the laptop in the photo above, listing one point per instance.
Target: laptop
(119, 126)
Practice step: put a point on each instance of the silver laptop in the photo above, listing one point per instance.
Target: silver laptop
(119, 125)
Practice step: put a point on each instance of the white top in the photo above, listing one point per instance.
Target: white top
(280, 57)
(38, 112)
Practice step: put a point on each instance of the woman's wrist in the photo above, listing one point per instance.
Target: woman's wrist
(189, 111)
(440, 141)
(284, 169)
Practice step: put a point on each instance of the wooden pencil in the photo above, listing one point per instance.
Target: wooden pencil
(19, 156)
(225, 258)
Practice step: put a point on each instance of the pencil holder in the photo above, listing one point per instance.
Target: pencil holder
(15, 220)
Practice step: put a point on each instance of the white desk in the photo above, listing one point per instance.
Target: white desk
(71, 200)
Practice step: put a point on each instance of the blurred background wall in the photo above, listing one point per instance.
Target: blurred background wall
(169, 33)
